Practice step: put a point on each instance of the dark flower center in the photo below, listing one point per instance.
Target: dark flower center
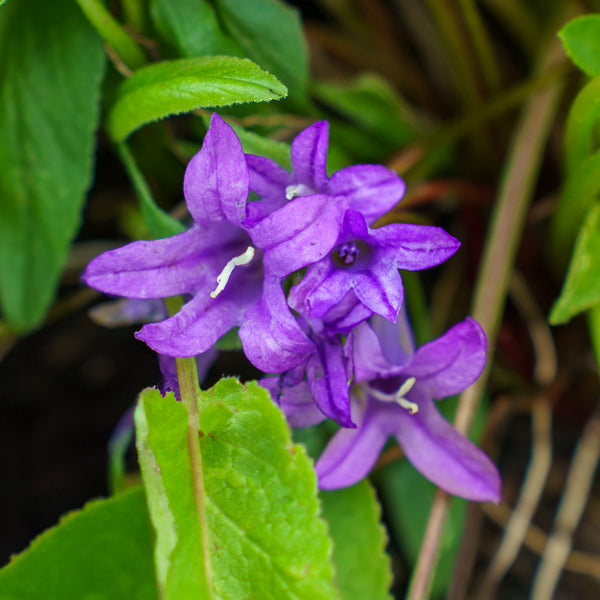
(352, 254)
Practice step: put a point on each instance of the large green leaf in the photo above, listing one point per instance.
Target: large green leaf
(581, 40)
(581, 290)
(244, 522)
(270, 32)
(192, 27)
(178, 86)
(363, 568)
(102, 552)
(50, 76)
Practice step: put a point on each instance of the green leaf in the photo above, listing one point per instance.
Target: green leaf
(581, 290)
(270, 32)
(362, 566)
(192, 27)
(581, 40)
(580, 191)
(50, 76)
(244, 523)
(178, 86)
(102, 552)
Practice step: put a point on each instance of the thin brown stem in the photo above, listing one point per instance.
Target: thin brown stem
(493, 279)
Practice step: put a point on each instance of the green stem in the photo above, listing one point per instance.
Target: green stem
(492, 283)
(483, 49)
(135, 16)
(160, 223)
(113, 33)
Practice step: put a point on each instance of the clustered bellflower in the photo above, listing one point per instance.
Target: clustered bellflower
(316, 292)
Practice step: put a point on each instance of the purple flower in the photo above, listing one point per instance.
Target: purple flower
(363, 267)
(392, 395)
(229, 264)
(372, 190)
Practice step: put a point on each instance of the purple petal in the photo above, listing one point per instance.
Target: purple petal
(417, 246)
(300, 233)
(380, 290)
(445, 456)
(158, 268)
(368, 359)
(203, 320)
(271, 337)
(352, 453)
(396, 340)
(346, 315)
(309, 156)
(268, 180)
(373, 190)
(216, 180)
(329, 382)
(452, 362)
(296, 402)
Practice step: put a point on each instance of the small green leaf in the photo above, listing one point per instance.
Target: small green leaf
(103, 551)
(50, 77)
(270, 32)
(178, 86)
(192, 27)
(244, 523)
(362, 566)
(581, 290)
(581, 40)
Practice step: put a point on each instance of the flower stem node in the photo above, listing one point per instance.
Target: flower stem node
(237, 261)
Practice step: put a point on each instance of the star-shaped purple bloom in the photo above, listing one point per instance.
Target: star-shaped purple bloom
(364, 266)
(229, 264)
(393, 395)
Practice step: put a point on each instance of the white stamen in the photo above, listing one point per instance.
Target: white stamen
(398, 396)
(297, 189)
(225, 274)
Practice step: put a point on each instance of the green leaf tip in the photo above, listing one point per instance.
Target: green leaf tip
(183, 85)
(581, 41)
(255, 531)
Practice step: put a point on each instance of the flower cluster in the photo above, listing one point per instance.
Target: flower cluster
(316, 293)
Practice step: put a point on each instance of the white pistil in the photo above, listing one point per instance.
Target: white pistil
(398, 396)
(225, 274)
(297, 189)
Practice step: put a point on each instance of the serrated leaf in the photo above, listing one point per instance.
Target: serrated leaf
(362, 566)
(192, 27)
(103, 551)
(50, 76)
(581, 40)
(581, 290)
(270, 32)
(245, 523)
(177, 86)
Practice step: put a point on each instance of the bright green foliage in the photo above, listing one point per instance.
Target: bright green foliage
(581, 40)
(363, 568)
(178, 86)
(244, 523)
(102, 552)
(50, 75)
(192, 28)
(582, 173)
(582, 286)
(270, 33)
